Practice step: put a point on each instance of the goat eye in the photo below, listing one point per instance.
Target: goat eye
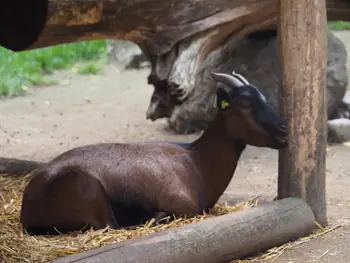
(245, 103)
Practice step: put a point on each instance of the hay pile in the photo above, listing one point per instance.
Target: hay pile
(17, 247)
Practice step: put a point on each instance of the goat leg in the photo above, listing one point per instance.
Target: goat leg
(159, 216)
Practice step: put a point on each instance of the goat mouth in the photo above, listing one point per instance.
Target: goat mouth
(281, 141)
(283, 128)
(150, 117)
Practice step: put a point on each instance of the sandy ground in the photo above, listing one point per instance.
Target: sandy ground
(111, 107)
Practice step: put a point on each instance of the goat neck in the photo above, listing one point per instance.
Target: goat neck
(216, 156)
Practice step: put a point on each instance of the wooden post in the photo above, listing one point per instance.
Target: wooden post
(303, 54)
(220, 239)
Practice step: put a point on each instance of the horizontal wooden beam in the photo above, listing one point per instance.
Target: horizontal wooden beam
(220, 239)
(156, 25)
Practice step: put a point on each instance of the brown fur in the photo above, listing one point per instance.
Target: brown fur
(126, 184)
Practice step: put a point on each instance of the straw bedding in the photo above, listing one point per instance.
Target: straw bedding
(18, 247)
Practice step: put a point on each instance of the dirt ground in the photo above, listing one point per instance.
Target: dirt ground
(111, 107)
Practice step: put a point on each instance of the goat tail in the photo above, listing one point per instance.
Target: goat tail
(13, 167)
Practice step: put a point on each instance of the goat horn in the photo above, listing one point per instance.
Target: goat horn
(241, 78)
(245, 81)
(227, 79)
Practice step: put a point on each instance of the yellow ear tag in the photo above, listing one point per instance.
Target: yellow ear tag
(224, 104)
(215, 101)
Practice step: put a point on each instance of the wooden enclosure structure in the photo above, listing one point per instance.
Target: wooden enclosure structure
(158, 27)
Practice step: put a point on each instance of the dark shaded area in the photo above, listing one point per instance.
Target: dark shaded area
(263, 34)
(21, 22)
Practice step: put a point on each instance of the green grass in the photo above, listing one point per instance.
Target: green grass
(91, 67)
(23, 69)
(339, 25)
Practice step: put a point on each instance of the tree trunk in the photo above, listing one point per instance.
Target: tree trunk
(220, 239)
(185, 99)
(303, 54)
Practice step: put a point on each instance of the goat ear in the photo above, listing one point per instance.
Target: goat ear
(222, 99)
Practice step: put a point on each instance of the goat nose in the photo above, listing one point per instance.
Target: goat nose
(151, 116)
(283, 127)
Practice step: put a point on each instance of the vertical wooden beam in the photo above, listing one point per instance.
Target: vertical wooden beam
(303, 57)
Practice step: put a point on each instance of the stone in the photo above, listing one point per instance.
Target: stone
(126, 55)
(338, 130)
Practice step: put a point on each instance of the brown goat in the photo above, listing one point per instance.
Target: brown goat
(125, 184)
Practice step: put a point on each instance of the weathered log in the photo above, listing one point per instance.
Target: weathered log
(164, 22)
(220, 239)
(11, 166)
(185, 101)
(155, 25)
(303, 45)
